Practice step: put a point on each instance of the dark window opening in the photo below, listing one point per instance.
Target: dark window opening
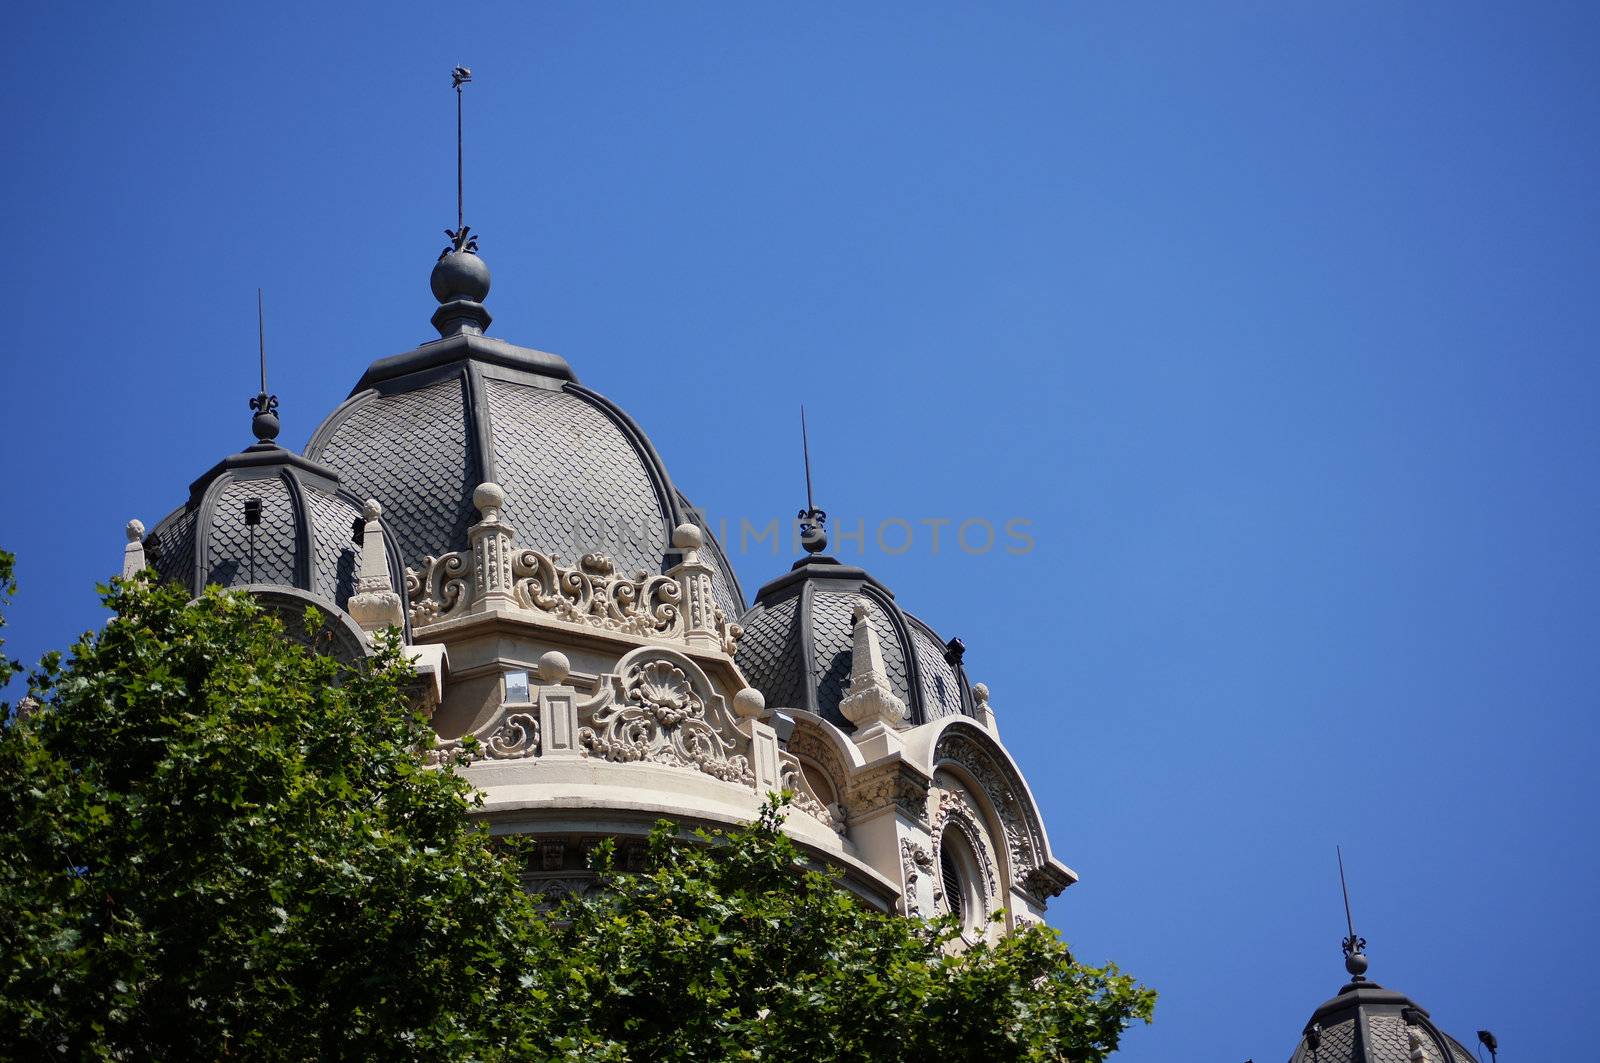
(950, 878)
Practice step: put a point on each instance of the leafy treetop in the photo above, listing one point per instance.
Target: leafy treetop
(221, 845)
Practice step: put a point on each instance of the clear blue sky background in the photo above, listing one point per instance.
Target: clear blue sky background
(1277, 320)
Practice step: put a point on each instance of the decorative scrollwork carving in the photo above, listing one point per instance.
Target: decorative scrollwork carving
(662, 717)
(915, 861)
(595, 595)
(511, 736)
(793, 778)
(439, 589)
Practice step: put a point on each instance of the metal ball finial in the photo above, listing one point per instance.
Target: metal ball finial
(265, 423)
(813, 530)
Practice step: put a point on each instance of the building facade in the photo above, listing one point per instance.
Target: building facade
(580, 636)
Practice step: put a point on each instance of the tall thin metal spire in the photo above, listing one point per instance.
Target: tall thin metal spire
(265, 422)
(812, 521)
(458, 77)
(461, 238)
(805, 448)
(1354, 961)
(261, 338)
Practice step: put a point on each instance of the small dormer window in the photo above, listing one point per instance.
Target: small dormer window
(517, 687)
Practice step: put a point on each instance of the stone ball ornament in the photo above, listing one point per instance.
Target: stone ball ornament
(687, 537)
(554, 667)
(750, 704)
(488, 498)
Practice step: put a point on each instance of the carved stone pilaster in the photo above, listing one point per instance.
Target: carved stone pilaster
(705, 626)
(375, 604)
(493, 546)
(558, 709)
(763, 755)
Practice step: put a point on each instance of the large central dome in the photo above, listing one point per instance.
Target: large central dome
(422, 429)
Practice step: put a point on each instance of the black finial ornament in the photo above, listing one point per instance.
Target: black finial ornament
(1355, 960)
(813, 521)
(460, 279)
(265, 423)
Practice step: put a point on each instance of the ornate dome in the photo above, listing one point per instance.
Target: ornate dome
(798, 645)
(421, 430)
(1366, 1023)
(264, 517)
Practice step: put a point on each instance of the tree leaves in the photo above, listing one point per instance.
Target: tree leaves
(221, 845)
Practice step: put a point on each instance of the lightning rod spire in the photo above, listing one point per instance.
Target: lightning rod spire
(813, 521)
(458, 77)
(1354, 960)
(265, 422)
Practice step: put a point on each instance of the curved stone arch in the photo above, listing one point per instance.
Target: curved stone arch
(342, 637)
(973, 751)
(818, 742)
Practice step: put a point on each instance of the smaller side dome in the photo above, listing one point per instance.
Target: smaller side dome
(265, 517)
(1366, 1023)
(798, 645)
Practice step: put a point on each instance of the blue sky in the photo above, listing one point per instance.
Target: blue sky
(1276, 321)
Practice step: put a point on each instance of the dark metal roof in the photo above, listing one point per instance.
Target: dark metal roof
(1366, 1023)
(305, 538)
(798, 644)
(424, 428)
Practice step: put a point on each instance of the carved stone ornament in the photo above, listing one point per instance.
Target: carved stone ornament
(915, 861)
(590, 594)
(512, 735)
(1025, 843)
(893, 783)
(660, 709)
(805, 799)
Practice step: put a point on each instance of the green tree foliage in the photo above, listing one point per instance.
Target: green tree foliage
(731, 947)
(219, 845)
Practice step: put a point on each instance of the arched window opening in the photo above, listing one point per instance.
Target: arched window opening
(959, 879)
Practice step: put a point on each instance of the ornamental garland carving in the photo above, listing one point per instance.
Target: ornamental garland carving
(1025, 843)
(655, 712)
